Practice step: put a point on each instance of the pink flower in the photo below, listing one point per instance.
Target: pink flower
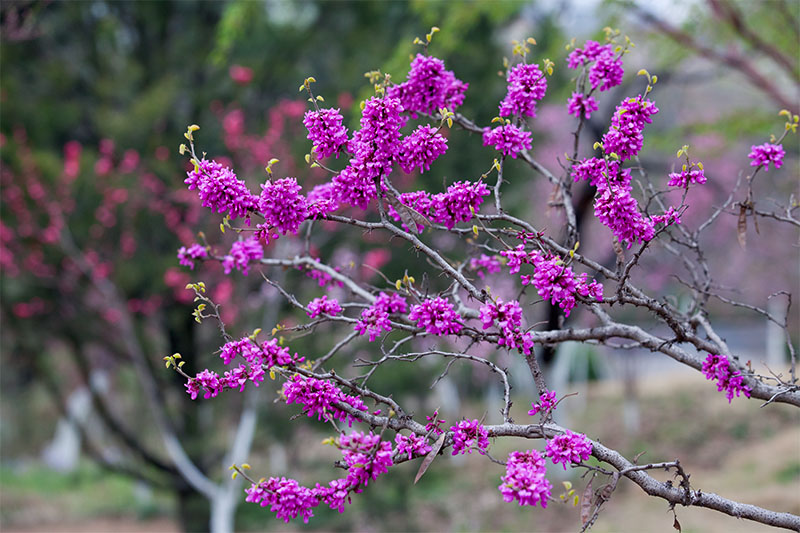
(468, 435)
(718, 368)
(374, 320)
(321, 200)
(318, 306)
(765, 154)
(319, 398)
(421, 148)
(241, 75)
(326, 131)
(457, 204)
(429, 87)
(282, 205)
(437, 316)
(625, 135)
(568, 448)
(526, 86)
(491, 264)
(525, 479)
(599, 171)
(221, 190)
(187, 256)
(509, 320)
(581, 104)
(547, 402)
(619, 211)
(241, 254)
(670, 216)
(391, 303)
(605, 69)
(411, 446)
(557, 282)
(685, 177)
(366, 456)
(285, 497)
(433, 423)
(508, 139)
(375, 146)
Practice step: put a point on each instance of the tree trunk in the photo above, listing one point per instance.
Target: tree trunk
(193, 510)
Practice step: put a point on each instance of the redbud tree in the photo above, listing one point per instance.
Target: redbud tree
(444, 309)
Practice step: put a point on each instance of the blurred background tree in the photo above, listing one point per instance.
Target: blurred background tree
(94, 98)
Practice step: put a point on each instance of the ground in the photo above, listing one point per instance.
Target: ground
(740, 451)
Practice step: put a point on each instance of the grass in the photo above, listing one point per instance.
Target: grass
(32, 494)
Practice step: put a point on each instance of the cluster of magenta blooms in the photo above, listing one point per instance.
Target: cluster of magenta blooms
(604, 70)
(372, 153)
(367, 456)
(718, 368)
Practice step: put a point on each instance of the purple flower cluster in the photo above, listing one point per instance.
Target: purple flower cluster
(322, 199)
(568, 447)
(490, 263)
(619, 211)
(599, 172)
(207, 381)
(526, 86)
(256, 356)
(237, 378)
(429, 87)
(220, 189)
(515, 258)
(437, 316)
(317, 306)
(614, 206)
(547, 402)
(282, 205)
(624, 138)
(326, 131)
(323, 278)
(469, 434)
(284, 497)
(211, 384)
(458, 203)
(507, 139)
(421, 148)
(366, 456)
(335, 494)
(275, 355)
(375, 319)
(730, 380)
(670, 216)
(766, 153)
(375, 147)
(553, 280)
(245, 347)
(411, 446)
(318, 398)
(525, 479)
(241, 254)
(391, 303)
(433, 423)
(581, 104)
(508, 316)
(606, 69)
(187, 256)
(373, 322)
(686, 176)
